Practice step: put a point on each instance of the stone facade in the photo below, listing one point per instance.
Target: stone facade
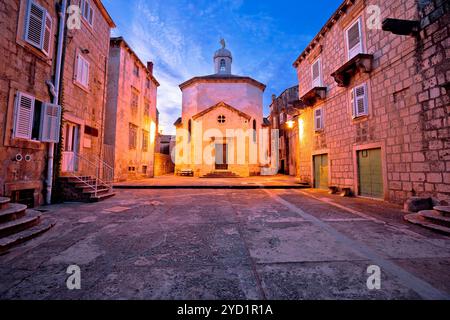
(239, 102)
(282, 110)
(26, 69)
(163, 164)
(131, 105)
(84, 92)
(407, 100)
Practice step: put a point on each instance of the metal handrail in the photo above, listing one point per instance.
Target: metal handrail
(102, 173)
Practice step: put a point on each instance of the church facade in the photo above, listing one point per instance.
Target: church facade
(222, 129)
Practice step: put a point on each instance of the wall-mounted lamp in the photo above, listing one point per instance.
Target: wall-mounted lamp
(85, 51)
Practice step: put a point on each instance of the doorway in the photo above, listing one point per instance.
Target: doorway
(370, 173)
(221, 156)
(321, 171)
(71, 147)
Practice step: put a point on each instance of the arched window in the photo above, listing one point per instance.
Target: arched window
(223, 65)
(254, 130)
(189, 130)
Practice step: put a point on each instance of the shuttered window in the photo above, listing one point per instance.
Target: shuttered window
(318, 119)
(316, 74)
(147, 109)
(82, 71)
(38, 27)
(35, 120)
(50, 123)
(87, 11)
(145, 138)
(354, 39)
(132, 136)
(23, 116)
(134, 102)
(359, 101)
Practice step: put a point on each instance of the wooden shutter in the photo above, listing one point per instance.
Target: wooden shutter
(82, 71)
(91, 16)
(23, 116)
(318, 119)
(50, 123)
(360, 101)
(46, 46)
(354, 39)
(35, 24)
(85, 73)
(316, 74)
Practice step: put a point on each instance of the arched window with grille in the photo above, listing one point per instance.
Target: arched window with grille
(223, 65)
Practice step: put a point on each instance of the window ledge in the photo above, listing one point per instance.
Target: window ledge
(82, 87)
(360, 63)
(313, 96)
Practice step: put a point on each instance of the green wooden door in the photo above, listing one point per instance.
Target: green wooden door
(370, 173)
(321, 171)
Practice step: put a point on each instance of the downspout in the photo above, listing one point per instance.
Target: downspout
(56, 85)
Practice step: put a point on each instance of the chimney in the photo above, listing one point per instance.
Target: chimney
(150, 67)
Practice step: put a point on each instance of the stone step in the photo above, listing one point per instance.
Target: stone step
(7, 242)
(31, 219)
(99, 191)
(436, 217)
(444, 210)
(13, 212)
(102, 197)
(418, 219)
(4, 202)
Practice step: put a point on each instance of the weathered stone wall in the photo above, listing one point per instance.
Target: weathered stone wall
(121, 84)
(163, 164)
(86, 106)
(23, 68)
(399, 92)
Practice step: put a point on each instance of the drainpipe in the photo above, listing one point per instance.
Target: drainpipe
(56, 85)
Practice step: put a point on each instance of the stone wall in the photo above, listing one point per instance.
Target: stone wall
(163, 164)
(26, 69)
(407, 103)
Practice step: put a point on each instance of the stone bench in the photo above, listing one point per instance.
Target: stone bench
(346, 192)
(333, 189)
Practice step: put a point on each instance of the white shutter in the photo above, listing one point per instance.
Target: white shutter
(91, 16)
(354, 39)
(318, 119)
(85, 73)
(23, 116)
(35, 24)
(360, 101)
(316, 82)
(82, 71)
(50, 123)
(46, 46)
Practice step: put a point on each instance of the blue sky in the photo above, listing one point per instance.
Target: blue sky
(181, 36)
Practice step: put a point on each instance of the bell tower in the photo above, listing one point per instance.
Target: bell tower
(223, 60)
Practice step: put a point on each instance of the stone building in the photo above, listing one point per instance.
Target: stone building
(84, 90)
(27, 50)
(374, 82)
(131, 117)
(220, 131)
(283, 109)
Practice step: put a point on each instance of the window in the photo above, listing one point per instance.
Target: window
(359, 101)
(189, 130)
(254, 130)
(223, 65)
(147, 109)
(145, 138)
(38, 27)
(144, 169)
(82, 71)
(136, 70)
(147, 83)
(36, 120)
(132, 136)
(131, 169)
(354, 39)
(134, 103)
(221, 119)
(316, 74)
(87, 12)
(318, 119)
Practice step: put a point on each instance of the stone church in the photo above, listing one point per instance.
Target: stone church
(222, 131)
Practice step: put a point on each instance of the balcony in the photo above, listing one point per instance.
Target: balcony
(360, 63)
(313, 96)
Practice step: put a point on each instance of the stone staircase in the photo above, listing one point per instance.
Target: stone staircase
(19, 224)
(85, 189)
(221, 174)
(437, 220)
